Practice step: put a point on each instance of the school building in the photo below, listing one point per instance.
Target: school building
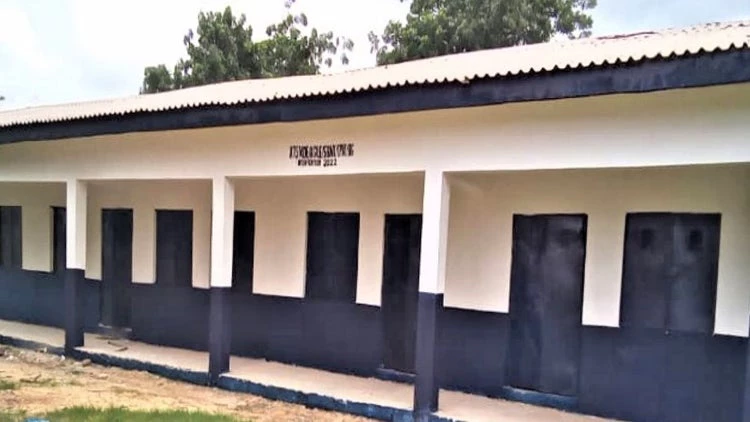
(566, 224)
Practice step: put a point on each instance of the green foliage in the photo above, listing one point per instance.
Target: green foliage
(222, 49)
(440, 27)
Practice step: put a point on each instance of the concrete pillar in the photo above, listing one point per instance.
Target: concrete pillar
(222, 231)
(435, 207)
(76, 199)
(746, 401)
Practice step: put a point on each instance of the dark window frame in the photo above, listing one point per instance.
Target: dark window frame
(56, 268)
(11, 237)
(334, 277)
(187, 282)
(239, 283)
(692, 240)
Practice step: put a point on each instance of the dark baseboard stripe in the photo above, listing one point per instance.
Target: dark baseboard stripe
(193, 377)
(31, 345)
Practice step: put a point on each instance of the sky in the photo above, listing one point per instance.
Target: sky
(55, 51)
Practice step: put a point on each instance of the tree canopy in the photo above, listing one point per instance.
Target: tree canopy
(222, 49)
(440, 27)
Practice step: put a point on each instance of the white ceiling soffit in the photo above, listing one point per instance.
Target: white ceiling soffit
(463, 67)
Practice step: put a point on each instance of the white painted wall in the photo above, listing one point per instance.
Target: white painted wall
(281, 206)
(36, 200)
(480, 230)
(689, 126)
(679, 127)
(144, 198)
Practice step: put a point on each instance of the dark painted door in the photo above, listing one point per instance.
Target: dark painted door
(59, 234)
(667, 311)
(174, 248)
(546, 300)
(117, 267)
(400, 290)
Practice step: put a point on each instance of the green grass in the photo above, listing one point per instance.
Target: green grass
(7, 385)
(90, 414)
(39, 382)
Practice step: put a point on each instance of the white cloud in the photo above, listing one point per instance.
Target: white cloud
(18, 39)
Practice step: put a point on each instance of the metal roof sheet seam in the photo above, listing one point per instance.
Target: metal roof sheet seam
(461, 68)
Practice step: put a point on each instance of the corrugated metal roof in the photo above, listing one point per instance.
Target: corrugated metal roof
(463, 67)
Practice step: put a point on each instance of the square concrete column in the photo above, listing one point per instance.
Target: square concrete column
(746, 401)
(222, 231)
(436, 204)
(75, 262)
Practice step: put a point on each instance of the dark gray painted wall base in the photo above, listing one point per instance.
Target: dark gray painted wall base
(647, 375)
(340, 337)
(628, 374)
(38, 298)
(174, 316)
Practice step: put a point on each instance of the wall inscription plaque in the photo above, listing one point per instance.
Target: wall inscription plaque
(323, 155)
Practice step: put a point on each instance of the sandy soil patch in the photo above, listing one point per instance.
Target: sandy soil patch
(38, 382)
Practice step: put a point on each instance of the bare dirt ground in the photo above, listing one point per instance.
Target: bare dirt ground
(37, 383)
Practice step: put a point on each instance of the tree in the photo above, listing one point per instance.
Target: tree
(223, 50)
(439, 27)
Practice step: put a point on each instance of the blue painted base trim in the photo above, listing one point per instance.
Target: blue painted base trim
(31, 345)
(193, 377)
(383, 413)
